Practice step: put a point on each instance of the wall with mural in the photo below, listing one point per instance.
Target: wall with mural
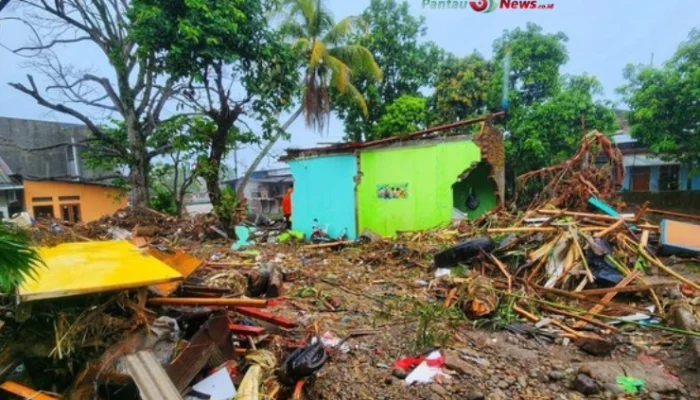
(410, 188)
(324, 190)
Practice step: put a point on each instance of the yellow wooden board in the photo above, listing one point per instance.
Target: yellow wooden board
(92, 267)
(180, 262)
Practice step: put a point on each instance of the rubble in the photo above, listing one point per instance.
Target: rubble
(557, 300)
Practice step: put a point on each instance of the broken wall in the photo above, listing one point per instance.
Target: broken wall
(324, 189)
(409, 187)
(481, 184)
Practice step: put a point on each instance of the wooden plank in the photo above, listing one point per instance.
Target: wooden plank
(606, 299)
(151, 379)
(245, 330)
(673, 214)
(266, 316)
(199, 350)
(94, 267)
(610, 229)
(191, 301)
(24, 392)
(181, 262)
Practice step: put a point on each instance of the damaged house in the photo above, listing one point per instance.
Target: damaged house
(411, 182)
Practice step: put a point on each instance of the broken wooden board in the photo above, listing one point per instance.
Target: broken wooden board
(93, 267)
(150, 377)
(178, 260)
(24, 392)
(203, 345)
(679, 238)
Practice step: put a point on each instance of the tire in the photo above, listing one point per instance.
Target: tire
(463, 252)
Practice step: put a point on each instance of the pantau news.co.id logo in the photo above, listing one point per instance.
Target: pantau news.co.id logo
(487, 6)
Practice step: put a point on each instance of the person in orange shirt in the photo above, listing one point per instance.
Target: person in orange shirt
(287, 206)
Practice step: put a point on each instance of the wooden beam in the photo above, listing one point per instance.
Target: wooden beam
(673, 214)
(266, 316)
(24, 392)
(245, 330)
(606, 299)
(221, 302)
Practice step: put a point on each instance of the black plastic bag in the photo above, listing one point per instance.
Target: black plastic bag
(303, 363)
(463, 252)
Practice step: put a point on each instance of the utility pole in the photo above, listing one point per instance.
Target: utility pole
(651, 62)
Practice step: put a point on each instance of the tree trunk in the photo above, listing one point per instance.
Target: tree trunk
(242, 184)
(139, 167)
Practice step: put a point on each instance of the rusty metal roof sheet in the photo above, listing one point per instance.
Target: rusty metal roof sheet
(351, 147)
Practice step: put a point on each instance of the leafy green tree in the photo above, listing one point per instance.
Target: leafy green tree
(407, 114)
(232, 65)
(18, 259)
(408, 65)
(664, 107)
(535, 59)
(461, 89)
(549, 132)
(330, 63)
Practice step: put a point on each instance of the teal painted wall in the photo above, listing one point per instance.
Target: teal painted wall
(324, 189)
(484, 188)
(426, 172)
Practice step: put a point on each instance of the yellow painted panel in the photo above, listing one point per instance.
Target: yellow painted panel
(92, 267)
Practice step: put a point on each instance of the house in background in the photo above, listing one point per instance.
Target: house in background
(265, 190)
(647, 173)
(42, 161)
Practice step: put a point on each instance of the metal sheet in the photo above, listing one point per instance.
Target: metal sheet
(179, 261)
(93, 267)
(150, 377)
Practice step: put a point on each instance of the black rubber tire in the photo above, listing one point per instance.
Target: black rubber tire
(463, 252)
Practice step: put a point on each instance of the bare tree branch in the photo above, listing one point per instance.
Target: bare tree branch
(34, 93)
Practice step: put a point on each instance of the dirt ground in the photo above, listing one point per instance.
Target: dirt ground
(353, 290)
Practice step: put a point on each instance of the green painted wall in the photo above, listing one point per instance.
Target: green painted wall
(484, 189)
(427, 172)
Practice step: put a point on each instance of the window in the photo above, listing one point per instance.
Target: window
(640, 179)
(70, 213)
(11, 196)
(43, 212)
(669, 177)
(42, 199)
(68, 198)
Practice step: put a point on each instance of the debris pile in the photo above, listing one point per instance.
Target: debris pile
(576, 295)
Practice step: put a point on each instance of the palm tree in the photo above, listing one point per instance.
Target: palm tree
(331, 63)
(18, 260)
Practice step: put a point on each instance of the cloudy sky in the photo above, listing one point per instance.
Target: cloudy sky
(604, 36)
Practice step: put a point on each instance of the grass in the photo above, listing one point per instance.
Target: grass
(434, 322)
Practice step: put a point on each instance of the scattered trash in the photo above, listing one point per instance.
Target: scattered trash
(463, 252)
(303, 362)
(428, 370)
(217, 386)
(630, 385)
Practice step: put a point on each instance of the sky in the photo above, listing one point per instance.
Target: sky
(604, 36)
